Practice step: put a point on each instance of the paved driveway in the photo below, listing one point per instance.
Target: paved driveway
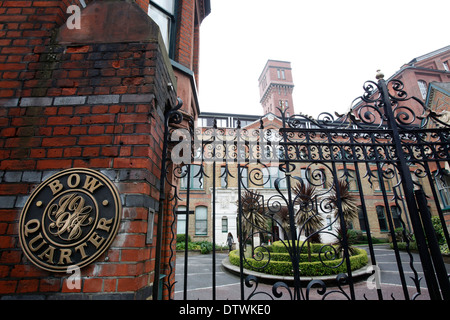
(228, 285)
(199, 280)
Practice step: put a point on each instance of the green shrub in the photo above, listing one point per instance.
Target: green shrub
(439, 235)
(354, 236)
(280, 265)
(191, 246)
(444, 248)
(402, 245)
(205, 247)
(282, 247)
(437, 225)
(182, 238)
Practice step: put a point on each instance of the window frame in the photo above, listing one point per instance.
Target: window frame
(244, 176)
(199, 222)
(224, 224)
(350, 178)
(361, 219)
(202, 122)
(329, 222)
(172, 27)
(376, 182)
(396, 216)
(382, 218)
(443, 188)
(423, 87)
(196, 181)
(181, 213)
(271, 174)
(223, 177)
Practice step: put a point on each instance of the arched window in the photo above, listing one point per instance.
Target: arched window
(382, 219)
(362, 224)
(423, 88)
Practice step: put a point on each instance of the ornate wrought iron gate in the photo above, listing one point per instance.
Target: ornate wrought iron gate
(384, 164)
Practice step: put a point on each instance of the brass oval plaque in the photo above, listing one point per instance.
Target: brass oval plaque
(70, 219)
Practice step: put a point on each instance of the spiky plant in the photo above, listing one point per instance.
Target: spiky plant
(252, 212)
(347, 200)
(339, 244)
(349, 210)
(283, 213)
(307, 216)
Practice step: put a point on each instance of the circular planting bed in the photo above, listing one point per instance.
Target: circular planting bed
(324, 260)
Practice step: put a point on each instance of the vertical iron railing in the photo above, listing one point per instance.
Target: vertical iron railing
(172, 116)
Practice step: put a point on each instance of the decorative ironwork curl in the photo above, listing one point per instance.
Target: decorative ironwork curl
(277, 293)
(252, 281)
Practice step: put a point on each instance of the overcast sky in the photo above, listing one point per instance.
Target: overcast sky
(334, 47)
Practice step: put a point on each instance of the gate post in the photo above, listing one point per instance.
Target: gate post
(171, 116)
(435, 252)
(408, 186)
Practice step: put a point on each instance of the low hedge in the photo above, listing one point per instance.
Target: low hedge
(280, 247)
(280, 263)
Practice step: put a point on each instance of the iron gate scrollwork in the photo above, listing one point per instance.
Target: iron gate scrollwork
(324, 174)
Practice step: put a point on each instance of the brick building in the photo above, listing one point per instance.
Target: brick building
(90, 93)
(421, 71)
(438, 100)
(417, 75)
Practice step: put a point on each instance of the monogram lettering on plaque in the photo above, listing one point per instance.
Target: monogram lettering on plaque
(70, 219)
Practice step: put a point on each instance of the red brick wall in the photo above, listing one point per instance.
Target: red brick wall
(143, 4)
(184, 47)
(87, 105)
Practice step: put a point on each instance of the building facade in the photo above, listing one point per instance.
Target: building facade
(438, 101)
(85, 86)
(421, 71)
(416, 77)
(381, 213)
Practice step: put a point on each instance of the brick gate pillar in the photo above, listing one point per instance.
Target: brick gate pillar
(83, 98)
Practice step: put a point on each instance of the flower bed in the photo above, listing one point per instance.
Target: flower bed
(275, 260)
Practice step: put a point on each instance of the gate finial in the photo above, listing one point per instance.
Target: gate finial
(379, 75)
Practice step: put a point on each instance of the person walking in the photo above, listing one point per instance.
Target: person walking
(230, 240)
